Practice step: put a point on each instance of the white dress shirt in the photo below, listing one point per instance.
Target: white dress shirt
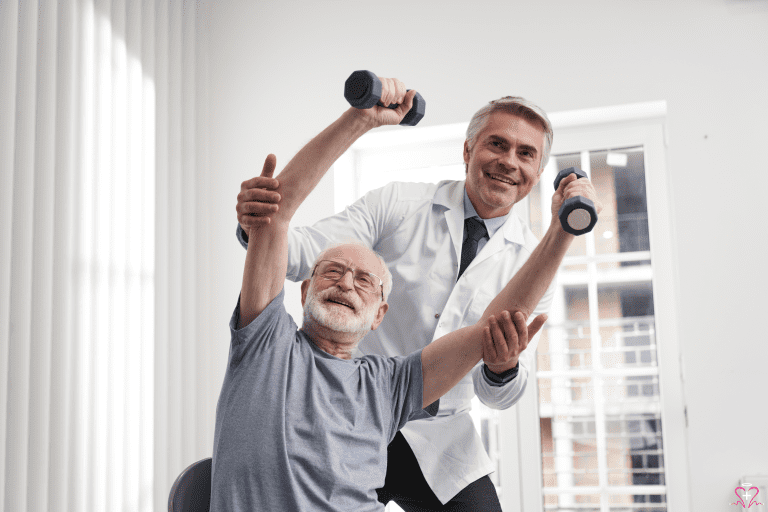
(418, 229)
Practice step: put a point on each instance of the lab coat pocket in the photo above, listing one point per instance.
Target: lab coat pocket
(477, 307)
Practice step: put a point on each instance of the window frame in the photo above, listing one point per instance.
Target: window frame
(639, 124)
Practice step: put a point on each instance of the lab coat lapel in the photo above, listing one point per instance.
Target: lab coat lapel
(494, 245)
(510, 233)
(451, 196)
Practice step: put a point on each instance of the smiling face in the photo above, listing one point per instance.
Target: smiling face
(503, 163)
(339, 306)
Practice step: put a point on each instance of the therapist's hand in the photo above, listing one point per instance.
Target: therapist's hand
(257, 199)
(505, 336)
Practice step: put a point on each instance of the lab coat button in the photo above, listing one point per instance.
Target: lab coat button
(437, 315)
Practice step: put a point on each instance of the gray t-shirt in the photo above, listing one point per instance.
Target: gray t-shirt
(298, 429)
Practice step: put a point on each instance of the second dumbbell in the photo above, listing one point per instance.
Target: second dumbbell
(577, 214)
(363, 90)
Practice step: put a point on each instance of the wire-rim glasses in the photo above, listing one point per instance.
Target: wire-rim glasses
(335, 270)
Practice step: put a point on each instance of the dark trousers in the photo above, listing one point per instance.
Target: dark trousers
(406, 486)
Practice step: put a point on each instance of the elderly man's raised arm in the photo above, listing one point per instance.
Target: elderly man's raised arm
(266, 260)
(267, 257)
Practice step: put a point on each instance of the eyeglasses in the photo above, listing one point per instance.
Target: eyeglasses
(335, 270)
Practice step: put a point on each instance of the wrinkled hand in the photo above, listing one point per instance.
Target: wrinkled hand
(392, 91)
(505, 338)
(572, 186)
(257, 199)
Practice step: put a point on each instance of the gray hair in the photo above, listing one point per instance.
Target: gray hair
(386, 278)
(518, 106)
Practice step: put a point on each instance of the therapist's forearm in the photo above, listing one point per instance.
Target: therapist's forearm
(524, 291)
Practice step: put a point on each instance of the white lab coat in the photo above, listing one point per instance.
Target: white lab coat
(417, 228)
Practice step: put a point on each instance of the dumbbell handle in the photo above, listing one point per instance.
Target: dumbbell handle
(391, 105)
(577, 214)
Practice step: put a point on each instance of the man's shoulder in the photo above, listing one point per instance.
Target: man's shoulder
(518, 232)
(530, 239)
(273, 323)
(410, 190)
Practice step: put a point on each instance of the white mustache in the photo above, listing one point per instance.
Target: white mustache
(317, 311)
(331, 294)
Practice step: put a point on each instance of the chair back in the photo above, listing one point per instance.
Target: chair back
(191, 492)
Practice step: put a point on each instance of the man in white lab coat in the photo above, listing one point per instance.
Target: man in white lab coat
(451, 247)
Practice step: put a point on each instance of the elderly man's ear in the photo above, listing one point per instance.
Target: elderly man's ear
(383, 307)
(304, 288)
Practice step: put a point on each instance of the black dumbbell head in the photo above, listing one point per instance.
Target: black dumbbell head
(362, 89)
(577, 215)
(565, 172)
(416, 113)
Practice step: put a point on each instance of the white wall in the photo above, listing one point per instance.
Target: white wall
(276, 77)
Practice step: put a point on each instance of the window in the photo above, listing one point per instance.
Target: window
(597, 364)
(602, 425)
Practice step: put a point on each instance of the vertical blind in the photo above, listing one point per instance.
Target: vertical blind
(100, 148)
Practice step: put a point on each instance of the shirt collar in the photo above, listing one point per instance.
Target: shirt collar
(492, 225)
(453, 195)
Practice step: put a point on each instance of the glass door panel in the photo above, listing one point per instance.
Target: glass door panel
(597, 364)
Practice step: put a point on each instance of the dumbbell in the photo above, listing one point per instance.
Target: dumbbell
(577, 214)
(363, 90)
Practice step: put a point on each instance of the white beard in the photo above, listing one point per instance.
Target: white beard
(317, 311)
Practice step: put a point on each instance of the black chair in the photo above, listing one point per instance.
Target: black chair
(191, 492)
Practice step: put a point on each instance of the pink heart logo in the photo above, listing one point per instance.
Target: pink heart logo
(746, 494)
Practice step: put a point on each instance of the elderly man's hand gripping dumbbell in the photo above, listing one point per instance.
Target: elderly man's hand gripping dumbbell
(364, 90)
(368, 95)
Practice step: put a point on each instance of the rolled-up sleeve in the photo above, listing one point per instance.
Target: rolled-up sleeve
(505, 396)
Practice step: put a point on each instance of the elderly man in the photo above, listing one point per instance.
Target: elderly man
(429, 236)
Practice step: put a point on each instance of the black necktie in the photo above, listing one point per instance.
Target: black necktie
(475, 229)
